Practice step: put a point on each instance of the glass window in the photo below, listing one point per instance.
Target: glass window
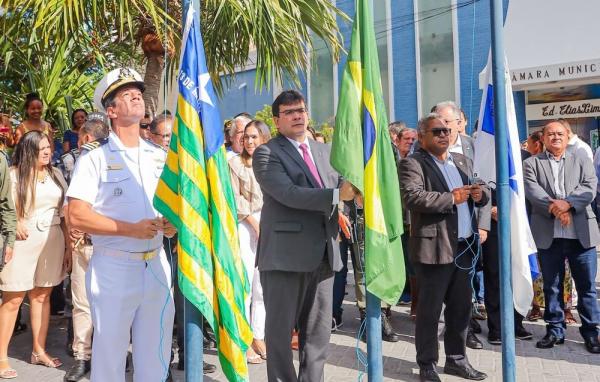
(436, 52)
(321, 83)
(381, 36)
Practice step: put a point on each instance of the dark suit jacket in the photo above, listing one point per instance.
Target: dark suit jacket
(580, 187)
(299, 223)
(433, 216)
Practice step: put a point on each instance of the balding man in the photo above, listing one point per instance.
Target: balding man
(459, 143)
(560, 186)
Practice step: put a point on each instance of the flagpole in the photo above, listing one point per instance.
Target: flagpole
(374, 355)
(194, 347)
(503, 192)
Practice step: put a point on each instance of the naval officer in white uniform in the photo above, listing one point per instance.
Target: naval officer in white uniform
(128, 280)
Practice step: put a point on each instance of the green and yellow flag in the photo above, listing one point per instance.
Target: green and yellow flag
(195, 194)
(362, 154)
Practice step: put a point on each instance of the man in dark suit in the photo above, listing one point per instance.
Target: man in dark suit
(436, 189)
(297, 248)
(561, 187)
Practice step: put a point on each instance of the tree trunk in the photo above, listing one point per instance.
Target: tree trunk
(152, 79)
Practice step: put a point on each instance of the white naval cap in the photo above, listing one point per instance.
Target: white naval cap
(114, 80)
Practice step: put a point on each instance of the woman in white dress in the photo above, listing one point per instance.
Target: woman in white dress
(249, 202)
(40, 259)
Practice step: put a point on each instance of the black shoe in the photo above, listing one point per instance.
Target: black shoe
(429, 375)
(79, 369)
(549, 341)
(495, 339)
(475, 326)
(592, 344)
(181, 363)
(522, 333)
(208, 368)
(472, 341)
(387, 331)
(464, 371)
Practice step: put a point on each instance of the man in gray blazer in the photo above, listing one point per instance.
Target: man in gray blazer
(297, 248)
(436, 188)
(560, 187)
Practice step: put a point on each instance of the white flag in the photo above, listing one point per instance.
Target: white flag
(523, 249)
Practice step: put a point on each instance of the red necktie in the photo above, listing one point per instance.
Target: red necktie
(311, 165)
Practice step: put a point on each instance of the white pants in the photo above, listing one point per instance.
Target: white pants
(128, 294)
(255, 305)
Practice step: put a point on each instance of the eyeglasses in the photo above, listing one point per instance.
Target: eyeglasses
(439, 131)
(164, 136)
(290, 112)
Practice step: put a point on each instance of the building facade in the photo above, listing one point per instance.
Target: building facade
(436, 50)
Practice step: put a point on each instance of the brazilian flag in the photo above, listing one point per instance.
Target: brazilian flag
(362, 154)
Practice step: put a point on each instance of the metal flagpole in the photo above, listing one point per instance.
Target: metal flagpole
(374, 356)
(194, 348)
(503, 192)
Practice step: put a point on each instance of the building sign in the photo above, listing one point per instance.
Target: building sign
(560, 72)
(569, 109)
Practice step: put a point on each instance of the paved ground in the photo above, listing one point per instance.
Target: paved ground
(569, 362)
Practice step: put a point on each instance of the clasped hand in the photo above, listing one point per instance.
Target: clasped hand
(561, 209)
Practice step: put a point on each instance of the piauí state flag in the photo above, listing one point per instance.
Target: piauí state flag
(522, 245)
(195, 194)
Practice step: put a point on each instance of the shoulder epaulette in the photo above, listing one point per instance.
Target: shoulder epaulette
(94, 145)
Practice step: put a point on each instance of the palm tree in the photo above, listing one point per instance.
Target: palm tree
(277, 31)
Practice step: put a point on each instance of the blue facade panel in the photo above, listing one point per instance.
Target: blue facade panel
(405, 70)
(474, 31)
(241, 95)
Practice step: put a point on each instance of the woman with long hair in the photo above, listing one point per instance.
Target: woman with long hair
(40, 257)
(78, 118)
(34, 109)
(249, 202)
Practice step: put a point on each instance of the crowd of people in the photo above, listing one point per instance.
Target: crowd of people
(83, 223)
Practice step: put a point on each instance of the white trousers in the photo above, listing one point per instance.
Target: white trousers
(126, 296)
(255, 305)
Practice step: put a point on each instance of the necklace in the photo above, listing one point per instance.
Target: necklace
(42, 176)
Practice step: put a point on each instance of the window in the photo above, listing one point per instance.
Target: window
(321, 108)
(436, 52)
(380, 20)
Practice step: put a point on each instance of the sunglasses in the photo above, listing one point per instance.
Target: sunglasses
(144, 125)
(439, 131)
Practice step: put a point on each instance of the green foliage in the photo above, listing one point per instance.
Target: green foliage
(266, 115)
(273, 34)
